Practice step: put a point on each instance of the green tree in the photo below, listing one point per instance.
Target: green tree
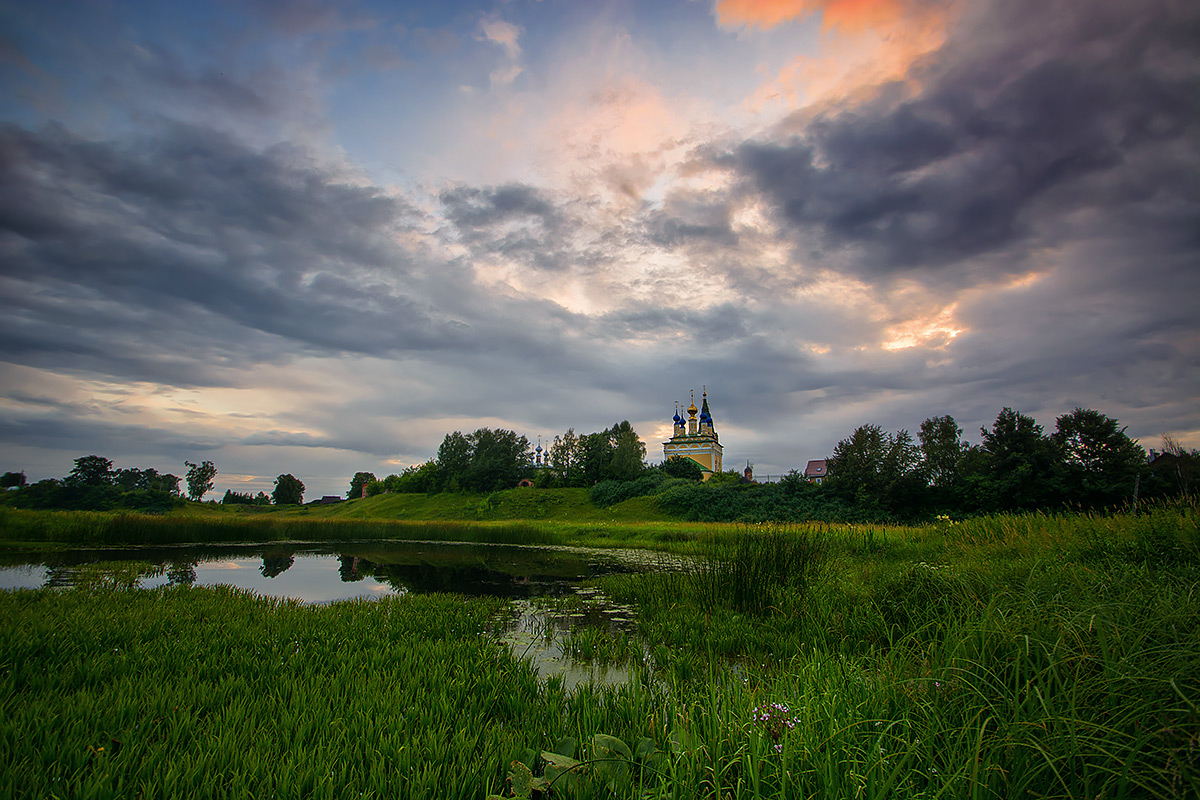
(1022, 464)
(499, 460)
(12, 480)
(357, 483)
(483, 461)
(876, 469)
(90, 471)
(453, 459)
(941, 450)
(288, 491)
(200, 479)
(168, 483)
(595, 456)
(628, 453)
(613, 454)
(416, 479)
(1101, 462)
(683, 467)
(566, 460)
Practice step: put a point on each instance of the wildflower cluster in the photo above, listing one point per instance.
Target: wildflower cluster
(776, 720)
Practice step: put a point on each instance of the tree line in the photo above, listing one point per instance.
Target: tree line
(93, 484)
(1087, 462)
(487, 460)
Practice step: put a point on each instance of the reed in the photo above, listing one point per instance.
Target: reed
(1038, 654)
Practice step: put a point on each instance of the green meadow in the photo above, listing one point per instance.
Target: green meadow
(1030, 655)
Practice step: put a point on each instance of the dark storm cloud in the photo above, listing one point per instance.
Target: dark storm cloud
(104, 242)
(1034, 111)
(69, 433)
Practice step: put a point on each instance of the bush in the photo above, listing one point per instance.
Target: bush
(768, 502)
(56, 495)
(609, 493)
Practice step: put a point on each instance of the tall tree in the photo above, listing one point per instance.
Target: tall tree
(200, 478)
(358, 483)
(453, 459)
(628, 453)
(499, 460)
(90, 471)
(595, 452)
(1022, 463)
(483, 461)
(566, 459)
(941, 450)
(1101, 462)
(874, 468)
(288, 490)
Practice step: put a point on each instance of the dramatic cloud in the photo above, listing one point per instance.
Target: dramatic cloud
(296, 239)
(997, 151)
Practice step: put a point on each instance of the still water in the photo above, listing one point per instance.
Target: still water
(323, 573)
(534, 578)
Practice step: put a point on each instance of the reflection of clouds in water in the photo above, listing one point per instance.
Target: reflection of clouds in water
(314, 577)
(26, 576)
(308, 578)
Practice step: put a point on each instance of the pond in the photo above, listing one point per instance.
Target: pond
(323, 573)
(536, 578)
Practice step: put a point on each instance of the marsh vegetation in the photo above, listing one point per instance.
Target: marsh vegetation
(1056, 655)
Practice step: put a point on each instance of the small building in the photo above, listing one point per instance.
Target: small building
(329, 499)
(695, 438)
(815, 471)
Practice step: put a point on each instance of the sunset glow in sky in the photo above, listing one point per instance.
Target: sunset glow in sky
(292, 236)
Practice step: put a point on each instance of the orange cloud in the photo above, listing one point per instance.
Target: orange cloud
(868, 42)
(848, 15)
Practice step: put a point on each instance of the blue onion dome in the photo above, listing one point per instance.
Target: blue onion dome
(538, 448)
(677, 419)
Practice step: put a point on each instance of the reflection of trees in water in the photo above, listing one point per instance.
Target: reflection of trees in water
(275, 563)
(101, 574)
(475, 579)
(348, 568)
(181, 573)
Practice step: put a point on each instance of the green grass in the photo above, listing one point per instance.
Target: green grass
(214, 693)
(1033, 655)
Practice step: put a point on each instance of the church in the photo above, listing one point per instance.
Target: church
(695, 438)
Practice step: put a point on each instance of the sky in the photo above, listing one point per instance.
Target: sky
(291, 236)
